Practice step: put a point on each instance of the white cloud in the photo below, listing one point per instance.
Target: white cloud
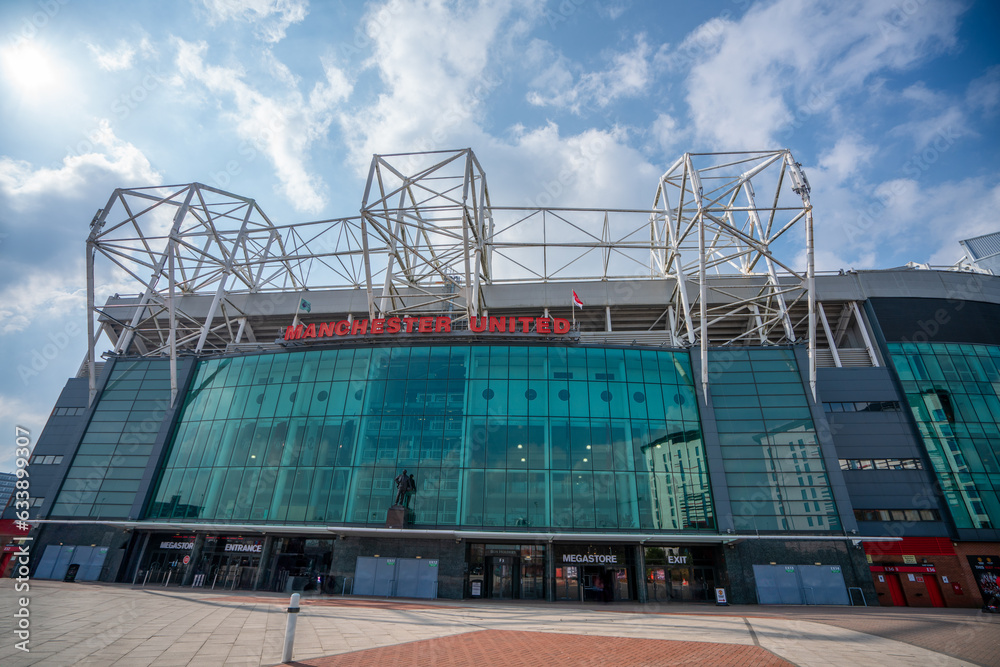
(614, 10)
(56, 295)
(845, 159)
(984, 93)
(270, 18)
(628, 74)
(24, 185)
(23, 413)
(743, 88)
(282, 128)
(949, 124)
(114, 60)
(666, 133)
(433, 60)
(436, 61)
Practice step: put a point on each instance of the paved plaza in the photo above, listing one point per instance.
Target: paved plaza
(101, 624)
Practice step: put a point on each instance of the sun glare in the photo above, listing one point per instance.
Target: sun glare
(30, 69)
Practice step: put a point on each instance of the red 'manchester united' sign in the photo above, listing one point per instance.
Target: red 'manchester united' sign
(396, 325)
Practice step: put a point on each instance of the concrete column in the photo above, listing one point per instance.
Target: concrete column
(550, 573)
(265, 556)
(199, 544)
(640, 574)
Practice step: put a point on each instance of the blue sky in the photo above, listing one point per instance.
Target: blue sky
(891, 107)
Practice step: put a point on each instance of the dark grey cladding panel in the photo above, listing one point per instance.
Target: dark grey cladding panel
(905, 282)
(903, 529)
(593, 294)
(980, 535)
(938, 320)
(75, 394)
(855, 384)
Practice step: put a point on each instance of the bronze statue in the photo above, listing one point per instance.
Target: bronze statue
(402, 486)
(411, 488)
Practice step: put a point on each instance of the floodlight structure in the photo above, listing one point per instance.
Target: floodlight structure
(214, 274)
(720, 235)
(199, 241)
(432, 213)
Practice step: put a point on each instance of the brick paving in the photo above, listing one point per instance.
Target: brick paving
(507, 648)
(102, 624)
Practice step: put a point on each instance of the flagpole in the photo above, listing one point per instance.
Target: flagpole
(572, 307)
(295, 320)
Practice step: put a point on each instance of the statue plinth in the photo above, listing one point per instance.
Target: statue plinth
(396, 517)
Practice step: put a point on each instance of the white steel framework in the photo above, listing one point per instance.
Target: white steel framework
(720, 238)
(210, 266)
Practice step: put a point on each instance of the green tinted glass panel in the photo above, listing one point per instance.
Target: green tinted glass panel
(505, 437)
(773, 462)
(953, 390)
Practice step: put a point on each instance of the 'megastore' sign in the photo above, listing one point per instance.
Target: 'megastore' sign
(590, 558)
(426, 325)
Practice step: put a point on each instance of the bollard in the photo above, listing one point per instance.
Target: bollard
(293, 609)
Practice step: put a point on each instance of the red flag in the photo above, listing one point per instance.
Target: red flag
(576, 300)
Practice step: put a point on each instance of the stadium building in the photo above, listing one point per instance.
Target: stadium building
(647, 404)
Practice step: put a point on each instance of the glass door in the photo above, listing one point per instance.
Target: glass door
(533, 579)
(621, 587)
(503, 572)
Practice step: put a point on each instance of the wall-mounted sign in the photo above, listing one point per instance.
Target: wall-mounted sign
(187, 546)
(910, 560)
(426, 325)
(590, 558)
(924, 569)
(249, 548)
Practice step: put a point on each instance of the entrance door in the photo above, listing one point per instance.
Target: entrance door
(704, 584)
(933, 590)
(500, 576)
(593, 584)
(621, 587)
(533, 579)
(895, 590)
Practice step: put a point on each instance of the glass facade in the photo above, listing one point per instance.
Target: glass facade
(954, 392)
(774, 467)
(105, 474)
(518, 437)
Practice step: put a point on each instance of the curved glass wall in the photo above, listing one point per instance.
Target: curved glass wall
(954, 392)
(518, 437)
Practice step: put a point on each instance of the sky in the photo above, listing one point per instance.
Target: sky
(891, 107)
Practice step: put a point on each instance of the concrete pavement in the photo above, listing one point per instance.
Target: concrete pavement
(98, 624)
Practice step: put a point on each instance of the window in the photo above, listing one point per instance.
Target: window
(863, 406)
(881, 464)
(897, 515)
